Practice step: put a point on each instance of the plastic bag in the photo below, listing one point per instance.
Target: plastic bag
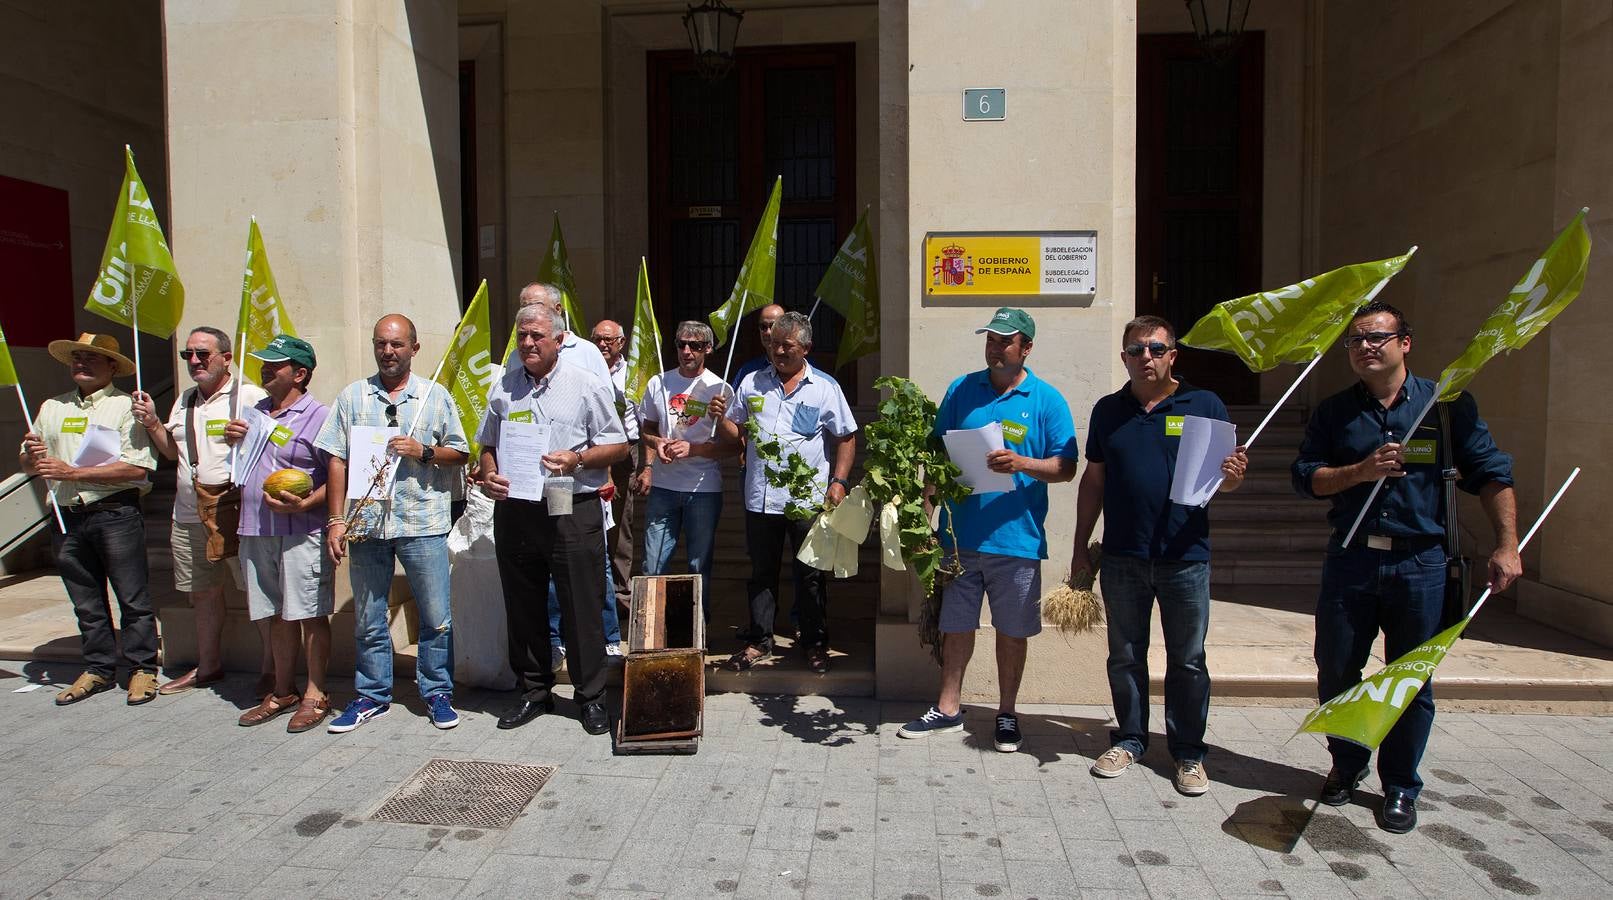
(481, 642)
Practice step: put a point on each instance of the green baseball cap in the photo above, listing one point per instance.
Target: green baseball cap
(286, 348)
(1007, 320)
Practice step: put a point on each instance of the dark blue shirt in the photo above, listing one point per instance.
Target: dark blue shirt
(1348, 426)
(1138, 450)
(755, 364)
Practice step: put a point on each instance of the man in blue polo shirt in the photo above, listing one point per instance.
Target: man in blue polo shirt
(1392, 576)
(1001, 543)
(1152, 548)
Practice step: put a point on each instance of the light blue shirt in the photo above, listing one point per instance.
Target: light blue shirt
(802, 421)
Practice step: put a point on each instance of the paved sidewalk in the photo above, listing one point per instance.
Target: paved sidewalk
(787, 797)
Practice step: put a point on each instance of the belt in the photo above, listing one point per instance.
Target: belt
(130, 497)
(591, 495)
(1408, 544)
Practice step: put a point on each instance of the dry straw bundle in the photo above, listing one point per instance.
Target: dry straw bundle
(1073, 607)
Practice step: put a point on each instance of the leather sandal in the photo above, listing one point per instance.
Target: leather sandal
(818, 658)
(83, 686)
(191, 679)
(744, 659)
(309, 714)
(142, 688)
(270, 707)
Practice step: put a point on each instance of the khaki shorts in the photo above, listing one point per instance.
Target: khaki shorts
(193, 571)
(290, 577)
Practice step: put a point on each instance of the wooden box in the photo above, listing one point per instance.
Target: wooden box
(664, 674)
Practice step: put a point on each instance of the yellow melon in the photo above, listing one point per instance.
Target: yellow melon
(299, 483)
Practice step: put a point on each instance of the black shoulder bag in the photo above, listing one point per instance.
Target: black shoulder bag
(1458, 568)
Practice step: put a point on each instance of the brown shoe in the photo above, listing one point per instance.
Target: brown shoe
(191, 679)
(83, 686)
(312, 711)
(267, 709)
(142, 688)
(817, 657)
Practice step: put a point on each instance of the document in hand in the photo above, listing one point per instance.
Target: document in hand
(101, 445)
(1205, 444)
(968, 448)
(366, 455)
(244, 456)
(521, 446)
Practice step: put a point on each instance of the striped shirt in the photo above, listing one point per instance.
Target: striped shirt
(579, 408)
(62, 423)
(420, 494)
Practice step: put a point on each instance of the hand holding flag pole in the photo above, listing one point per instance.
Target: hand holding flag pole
(8, 375)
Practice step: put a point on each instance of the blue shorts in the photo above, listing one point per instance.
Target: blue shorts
(1012, 583)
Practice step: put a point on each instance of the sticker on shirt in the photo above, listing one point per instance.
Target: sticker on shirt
(1419, 451)
(1014, 432)
(215, 427)
(755, 403)
(75, 424)
(804, 420)
(1173, 425)
(281, 435)
(519, 415)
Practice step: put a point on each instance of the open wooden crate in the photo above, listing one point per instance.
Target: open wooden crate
(664, 674)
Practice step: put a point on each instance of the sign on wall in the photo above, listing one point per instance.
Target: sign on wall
(1011, 263)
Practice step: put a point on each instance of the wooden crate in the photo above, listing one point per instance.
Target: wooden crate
(664, 674)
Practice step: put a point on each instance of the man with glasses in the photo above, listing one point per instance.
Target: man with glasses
(103, 537)
(1152, 548)
(409, 524)
(765, 318)
(607, 336)
(1000, 538)
(680, 410)
(1392, 576)
(194, 435)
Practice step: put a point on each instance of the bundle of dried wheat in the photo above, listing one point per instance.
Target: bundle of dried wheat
(1073, 607)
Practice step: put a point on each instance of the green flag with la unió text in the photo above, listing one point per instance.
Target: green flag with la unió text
(851, 288)
(137, 277)
(753, 289)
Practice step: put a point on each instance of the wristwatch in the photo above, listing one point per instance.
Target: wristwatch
(833, 480)
(427, 453)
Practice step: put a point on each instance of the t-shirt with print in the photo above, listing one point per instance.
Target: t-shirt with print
(687, 400)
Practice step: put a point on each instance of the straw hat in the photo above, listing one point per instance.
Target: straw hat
(104, 344)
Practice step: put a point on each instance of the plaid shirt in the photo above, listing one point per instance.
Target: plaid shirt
(421, 492)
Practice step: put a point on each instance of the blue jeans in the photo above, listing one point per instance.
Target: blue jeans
(425, 562)
(1183, 589)
(694, 514)
(612, 621)
(1401, 592)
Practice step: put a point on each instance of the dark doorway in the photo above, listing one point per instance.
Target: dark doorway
(715, 148)
(1199, 140)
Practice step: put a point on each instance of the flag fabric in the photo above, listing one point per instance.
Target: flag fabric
(8, 369)
(753, 289)
(1294, 324)
(643, 358)
(1365, 713)
(851, 287)
(137, 270)
(1550, 285)
(556, 270)
(467, 368)
(262, 315)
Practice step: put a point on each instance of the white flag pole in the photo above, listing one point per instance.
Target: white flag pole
(1427, 407)
(240, 351)
(1477, 604)
(28, 417)
(733, 334)
(816, 302)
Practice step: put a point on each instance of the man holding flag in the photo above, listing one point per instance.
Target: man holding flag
(1393, 578)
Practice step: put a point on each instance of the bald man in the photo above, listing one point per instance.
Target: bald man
(611, 341)
(769, 315)
(427, 449)
(573, 349)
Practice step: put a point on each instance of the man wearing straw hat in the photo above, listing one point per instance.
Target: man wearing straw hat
(98, 489)
(408, 523)
(1001, 541)
(194, 435)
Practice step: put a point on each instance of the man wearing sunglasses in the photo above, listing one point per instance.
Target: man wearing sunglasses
(1392, 576)
(195, 428)
(1152, 549)
(765, 317)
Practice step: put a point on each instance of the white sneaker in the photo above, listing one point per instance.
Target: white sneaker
(613, 654)
(558, 658)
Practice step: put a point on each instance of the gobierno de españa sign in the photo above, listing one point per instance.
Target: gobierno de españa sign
(1052, 263)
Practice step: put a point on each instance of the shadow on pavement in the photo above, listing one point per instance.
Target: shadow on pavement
(830, 727)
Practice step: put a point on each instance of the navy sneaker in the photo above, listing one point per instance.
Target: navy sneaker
(1006, 737)
(932, 722)
(357, 713)
(442, 711)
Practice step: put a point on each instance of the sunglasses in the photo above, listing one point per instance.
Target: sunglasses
(603, 339)
(691, 345)
(392, 415)
(200, 356)
(1154, 348)
(1373, 339)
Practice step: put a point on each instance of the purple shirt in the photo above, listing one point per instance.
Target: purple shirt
(290, 447)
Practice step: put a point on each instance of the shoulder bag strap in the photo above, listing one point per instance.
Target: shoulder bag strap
(190, 432)
(1448, 472)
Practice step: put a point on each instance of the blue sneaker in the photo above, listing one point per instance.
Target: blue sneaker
(357, 713)
(442, 711)
(932, 722)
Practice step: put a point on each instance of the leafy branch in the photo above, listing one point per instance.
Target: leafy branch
(791, 473)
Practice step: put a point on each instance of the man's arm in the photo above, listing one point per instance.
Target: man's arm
(1500, 504)
(1088, 506)
(844, 454)
(111, 473)
(143, 408)
(1053, 470)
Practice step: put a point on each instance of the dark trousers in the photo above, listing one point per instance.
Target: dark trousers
(766, 538)
(621, 537)
(532, 547)
(1182, 587)
(100, 546)
(1402, 593)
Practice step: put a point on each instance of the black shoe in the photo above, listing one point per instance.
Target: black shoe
(1399, 812)
(1006, 738)
(1339, 787)
(594, 719)
(524, 712)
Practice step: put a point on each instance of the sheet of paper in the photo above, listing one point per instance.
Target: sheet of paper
(1205, 444)
(101, 445)
(245, 454)
(366, 455)
(521, 446)
(968, 448)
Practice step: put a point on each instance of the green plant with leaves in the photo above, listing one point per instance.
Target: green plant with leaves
(790, 473)
(905, 463)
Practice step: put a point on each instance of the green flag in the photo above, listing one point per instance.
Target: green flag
(8, 370)
(851, 287)
(262, 314)
(753, 289)
(643, 347)
(1294, 324)
(1551, 284)
(137, 274)
(1365, 713)
(556, 270)
(467, 368)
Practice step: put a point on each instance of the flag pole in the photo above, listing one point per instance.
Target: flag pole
(733, 334)
(240, 348)
(816, 302)
(1540, 520)
(28, 417)
(1427, 407)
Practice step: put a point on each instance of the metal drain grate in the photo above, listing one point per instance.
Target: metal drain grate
(455, 793)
